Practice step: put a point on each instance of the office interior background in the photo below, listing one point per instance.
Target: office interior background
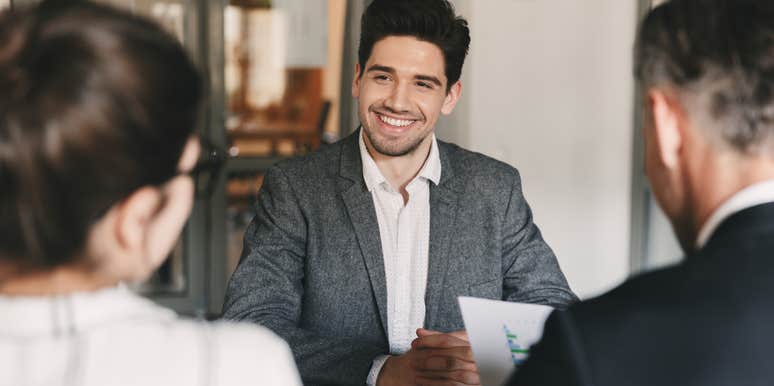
(547, 88)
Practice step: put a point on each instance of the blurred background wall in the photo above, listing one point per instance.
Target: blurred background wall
(548, 89)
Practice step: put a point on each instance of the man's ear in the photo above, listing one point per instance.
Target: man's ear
(452, 97)
(132, 218)
(668, 126)
(356, 82)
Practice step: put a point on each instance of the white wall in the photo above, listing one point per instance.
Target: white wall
(548, 88)
(661, 248)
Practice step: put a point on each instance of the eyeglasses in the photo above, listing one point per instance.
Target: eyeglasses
(206, 172)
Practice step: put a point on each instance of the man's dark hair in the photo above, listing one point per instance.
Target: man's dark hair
(719, 55)
(95, 103)
(433, 21)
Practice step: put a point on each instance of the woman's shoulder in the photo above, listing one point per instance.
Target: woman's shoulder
(159, 341)
(245, 350)
(243, 338)
(222, 353)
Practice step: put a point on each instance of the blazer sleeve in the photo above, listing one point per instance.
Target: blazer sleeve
(267, 288)
(557, 360)
(531, 273)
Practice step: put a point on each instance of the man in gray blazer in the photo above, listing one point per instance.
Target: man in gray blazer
(359, 251)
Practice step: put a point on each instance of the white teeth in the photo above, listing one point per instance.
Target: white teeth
(396, 122)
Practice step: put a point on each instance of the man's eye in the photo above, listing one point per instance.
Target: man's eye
(382, 77)
(424, 85)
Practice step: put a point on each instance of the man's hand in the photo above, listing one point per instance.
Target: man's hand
(444, 359)
(435, 358)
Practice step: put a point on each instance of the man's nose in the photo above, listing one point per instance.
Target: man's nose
(399, 99)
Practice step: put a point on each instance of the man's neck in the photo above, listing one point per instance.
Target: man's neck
(400, 171)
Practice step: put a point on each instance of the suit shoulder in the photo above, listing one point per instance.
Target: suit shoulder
(654, 289)
(320, 159)
(473, 165)
(313, 168)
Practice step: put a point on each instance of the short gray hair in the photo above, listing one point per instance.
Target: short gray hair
(719, 56)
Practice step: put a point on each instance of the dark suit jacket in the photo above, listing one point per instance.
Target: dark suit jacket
(312, 267)
(708, 321)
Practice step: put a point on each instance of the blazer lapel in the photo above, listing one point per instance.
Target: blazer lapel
(362, 214)
(443, 212)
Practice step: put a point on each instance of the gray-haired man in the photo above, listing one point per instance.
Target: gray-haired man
(707, 71)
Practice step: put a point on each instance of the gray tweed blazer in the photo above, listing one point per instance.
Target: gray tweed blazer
(312, 268)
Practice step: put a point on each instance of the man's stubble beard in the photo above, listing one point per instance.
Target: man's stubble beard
(384, 149)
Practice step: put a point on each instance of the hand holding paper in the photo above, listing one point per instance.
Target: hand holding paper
(434, 358)
(444, 356)
(501, 334)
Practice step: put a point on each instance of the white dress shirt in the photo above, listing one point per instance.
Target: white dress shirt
(404, 230)
(756, 194)
(113, 337)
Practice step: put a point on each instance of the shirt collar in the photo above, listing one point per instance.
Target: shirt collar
(760, 193)
(371, 173)
(35, 315)
(373, 177)
(432, 168)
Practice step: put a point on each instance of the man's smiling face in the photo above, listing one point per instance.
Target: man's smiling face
(401, 92)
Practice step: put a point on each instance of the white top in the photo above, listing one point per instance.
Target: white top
(113, 337)
(756, 194)
(405, 234)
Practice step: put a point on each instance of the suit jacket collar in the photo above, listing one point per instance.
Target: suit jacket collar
(350, 165)
(443, 210)
(360, 208)
(756, 194)
(742, 225)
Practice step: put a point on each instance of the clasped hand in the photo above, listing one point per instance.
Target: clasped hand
(435, 358)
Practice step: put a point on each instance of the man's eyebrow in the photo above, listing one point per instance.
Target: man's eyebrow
(430, 79)
(379, 67)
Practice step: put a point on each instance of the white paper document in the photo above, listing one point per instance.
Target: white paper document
(501, 334)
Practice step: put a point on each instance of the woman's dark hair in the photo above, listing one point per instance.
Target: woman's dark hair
(95, 103)
(433, 21)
